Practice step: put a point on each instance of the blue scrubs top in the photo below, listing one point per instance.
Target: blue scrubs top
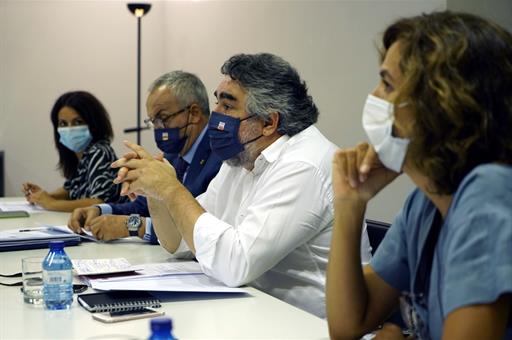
(472, 262)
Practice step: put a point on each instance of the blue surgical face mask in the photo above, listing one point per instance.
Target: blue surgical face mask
(168, 140)
(223, 131)
(75, 138)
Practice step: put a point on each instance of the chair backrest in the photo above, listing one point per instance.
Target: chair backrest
(376, 232)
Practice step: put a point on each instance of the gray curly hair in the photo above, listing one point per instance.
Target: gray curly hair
(273, 85)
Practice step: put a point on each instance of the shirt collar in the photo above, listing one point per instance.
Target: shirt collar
(270, 154)
(189, 156)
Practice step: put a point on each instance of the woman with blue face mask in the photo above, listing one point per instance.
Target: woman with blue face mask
(441, 115)
(82, 134)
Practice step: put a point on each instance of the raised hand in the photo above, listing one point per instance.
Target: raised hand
(358, 174)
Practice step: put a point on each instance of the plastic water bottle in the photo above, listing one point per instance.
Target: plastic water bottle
(161, 329)
(57, 278)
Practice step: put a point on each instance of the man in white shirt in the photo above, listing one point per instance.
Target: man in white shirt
(266, 218)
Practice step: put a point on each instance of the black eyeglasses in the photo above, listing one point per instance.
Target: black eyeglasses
(159, 122)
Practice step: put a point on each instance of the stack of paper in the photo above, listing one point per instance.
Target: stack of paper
(182, 276)
(87, 234)
(30, 238)
(103, 266)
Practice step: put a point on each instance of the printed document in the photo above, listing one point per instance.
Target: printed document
(170, 283)
(175, 276)
(102, 266)
(20, 205)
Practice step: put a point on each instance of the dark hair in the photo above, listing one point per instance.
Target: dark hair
(92, 112)
(457, 72)
(273, 85)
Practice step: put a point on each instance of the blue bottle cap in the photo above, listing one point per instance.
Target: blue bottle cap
(161, 324)
(56, 244)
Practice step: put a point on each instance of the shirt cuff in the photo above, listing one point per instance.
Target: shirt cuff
(207, 232)
(105, 209)
(149, 229)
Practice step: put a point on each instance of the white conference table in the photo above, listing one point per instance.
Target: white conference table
(253, 316)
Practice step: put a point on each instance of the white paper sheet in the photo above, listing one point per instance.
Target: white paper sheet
(153, 270)
(36, 233)
(20, 205)
(174, 283)
(64, 229)
(102, 266)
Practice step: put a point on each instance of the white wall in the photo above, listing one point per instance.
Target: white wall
(500, 11)
(49, 47)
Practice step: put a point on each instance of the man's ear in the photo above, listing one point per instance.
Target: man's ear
(271, 124)
(195, 113)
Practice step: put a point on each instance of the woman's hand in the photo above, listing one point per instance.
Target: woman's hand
(41, 198)
(358, 174)
(389, 331)
(28, 188)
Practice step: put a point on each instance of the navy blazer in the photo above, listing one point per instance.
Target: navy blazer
(203, 168)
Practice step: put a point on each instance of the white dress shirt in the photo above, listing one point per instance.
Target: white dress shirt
(271, 227)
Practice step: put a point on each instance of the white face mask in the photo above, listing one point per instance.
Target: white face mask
(378, 120)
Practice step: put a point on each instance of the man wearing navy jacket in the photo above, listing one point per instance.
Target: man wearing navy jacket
(178, 110)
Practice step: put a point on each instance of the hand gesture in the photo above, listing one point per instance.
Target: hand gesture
(358, 174)
(82, 217)
(28, 188)
(141, 174)
(41, 198)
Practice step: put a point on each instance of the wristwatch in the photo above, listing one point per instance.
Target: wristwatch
(133, 224)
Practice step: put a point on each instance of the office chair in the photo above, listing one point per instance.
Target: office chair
(376, 232)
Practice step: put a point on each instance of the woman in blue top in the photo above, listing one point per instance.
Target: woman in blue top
(441, 114)
(82, 134)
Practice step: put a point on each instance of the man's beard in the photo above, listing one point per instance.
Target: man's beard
(247, 157)
(244, 158)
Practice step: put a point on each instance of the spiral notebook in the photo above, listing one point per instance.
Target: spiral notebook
(117, 301)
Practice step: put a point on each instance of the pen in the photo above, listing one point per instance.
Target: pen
(24, 230)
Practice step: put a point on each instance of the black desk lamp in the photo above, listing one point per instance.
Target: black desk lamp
(139, 10)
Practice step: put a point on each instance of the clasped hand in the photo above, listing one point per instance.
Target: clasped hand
(358, 173)
(142, 174)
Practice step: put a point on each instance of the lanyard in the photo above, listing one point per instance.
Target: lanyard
(422, 281)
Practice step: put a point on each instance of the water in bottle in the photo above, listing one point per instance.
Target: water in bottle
(57, 278)
(161, 329)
